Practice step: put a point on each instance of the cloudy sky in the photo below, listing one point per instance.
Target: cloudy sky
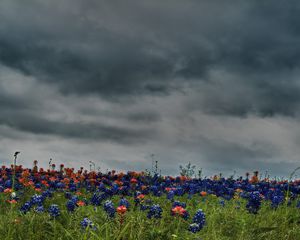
(214, 83)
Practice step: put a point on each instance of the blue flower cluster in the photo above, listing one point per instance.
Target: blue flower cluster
(198, 221)
(71, 205)
(54, 210)
(124, 202)
(25, 207)
(180, 204)
(276, 200)
(39, 209)
(37, 200)
(98, 198)
(85, 223)
(254, 202)
(171, 195)
(109, 208)
(155, 211)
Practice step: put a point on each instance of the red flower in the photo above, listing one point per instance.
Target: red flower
(121, 209)
(140, 196)
(7, 190)
(80, 203)
(203, 193)
(133, 180)
(13, 201)
(178, 210)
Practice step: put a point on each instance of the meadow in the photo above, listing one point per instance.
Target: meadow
(65, 203)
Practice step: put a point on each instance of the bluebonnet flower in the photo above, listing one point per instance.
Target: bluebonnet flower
(144, 207)
(199, 218)
(180, 204)
(222, 203)
(71, 205)
(47, 193)
(186, 215)
(154, 211)
(8, 184)
(54, 210)
(254, 202)
(37, 199)
(87, 223)
(72, 187)
(75, 199)
(39, 209)
(96, 199)
(179, 191)
(68, 195)
(194, 227)
(276, 200)
(171, 195)
(26, 207)
(124, 202)
(298, 204)
(109, 208)
(60, 185)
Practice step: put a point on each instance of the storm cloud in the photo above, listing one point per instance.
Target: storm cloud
(215, 83)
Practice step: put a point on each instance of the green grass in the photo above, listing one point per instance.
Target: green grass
(222, 223)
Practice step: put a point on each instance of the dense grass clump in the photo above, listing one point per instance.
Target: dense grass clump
(64, 204)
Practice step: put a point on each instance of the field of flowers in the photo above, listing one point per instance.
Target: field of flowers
(68, 204)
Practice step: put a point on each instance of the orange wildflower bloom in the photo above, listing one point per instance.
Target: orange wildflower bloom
(178, 210)
(7, 190)
(203, 193)
(141, 196)
(80, 203)
(121, 209)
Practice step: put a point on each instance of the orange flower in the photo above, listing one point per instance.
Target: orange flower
(121, 209)
(13, 201)
(31, 183)
(178, 210)
(25, 173)
(133, 181)
(21, 180)
(119, 183)
(140, 196)
(52, 179)
(203, 193)
(7, 190)
(80, 203)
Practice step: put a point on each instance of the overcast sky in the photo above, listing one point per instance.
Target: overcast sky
(214, 83)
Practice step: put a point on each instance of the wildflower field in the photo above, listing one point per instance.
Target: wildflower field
(77, 204)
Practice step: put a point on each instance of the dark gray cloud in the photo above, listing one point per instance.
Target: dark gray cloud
(106, 49)
(151, 72)
(78, 130)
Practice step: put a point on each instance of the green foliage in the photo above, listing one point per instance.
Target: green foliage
(223, 223)
(188, 170)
